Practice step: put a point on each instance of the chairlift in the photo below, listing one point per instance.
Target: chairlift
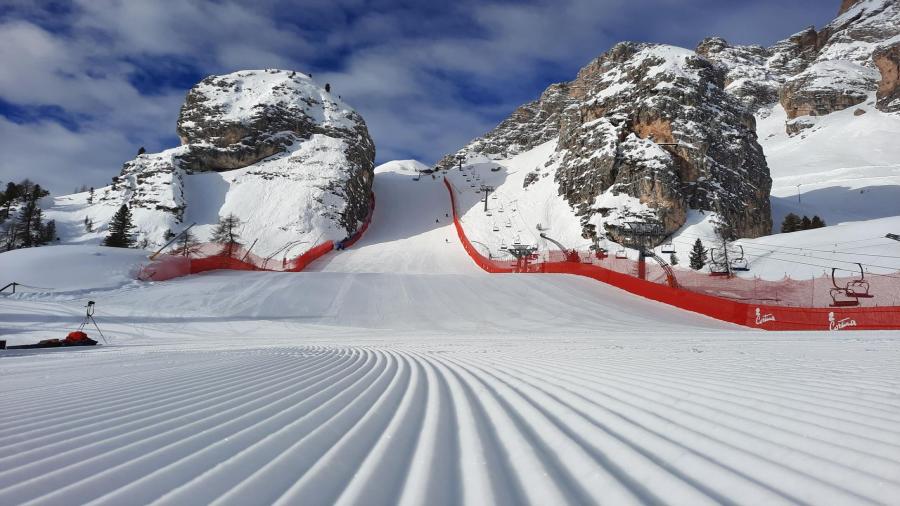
(496, 228)
(668, 247)
(740, 263)
(621, 253)
(849, 294)
(717, 266)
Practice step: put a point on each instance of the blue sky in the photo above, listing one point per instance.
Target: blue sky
(84, 83)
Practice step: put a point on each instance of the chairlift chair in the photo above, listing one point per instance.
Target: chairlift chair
(621, 253)
(668, 247)
(849, 294)
(496, 228)
(740, 263)
(858, 287)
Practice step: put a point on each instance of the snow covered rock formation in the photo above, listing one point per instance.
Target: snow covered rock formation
(650, 122)
(814, 73)
(648, 132)
(291, 161)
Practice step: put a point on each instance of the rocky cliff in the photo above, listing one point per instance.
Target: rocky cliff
(816, 72)
(674, 129)
(649, 122)
(272, 147)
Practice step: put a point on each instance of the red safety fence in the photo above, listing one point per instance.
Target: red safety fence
(214, 256)
(789, 304)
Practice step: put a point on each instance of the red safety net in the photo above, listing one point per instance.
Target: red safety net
(788, 304)
(215, 256)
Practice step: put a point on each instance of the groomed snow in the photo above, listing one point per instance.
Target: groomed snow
(374, 383)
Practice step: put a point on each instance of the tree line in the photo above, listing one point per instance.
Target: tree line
(22, 223)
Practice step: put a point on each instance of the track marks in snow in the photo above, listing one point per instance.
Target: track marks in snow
(468, 422)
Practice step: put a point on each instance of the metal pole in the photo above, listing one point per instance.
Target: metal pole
(153, 256)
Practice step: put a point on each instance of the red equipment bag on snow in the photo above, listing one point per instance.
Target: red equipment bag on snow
(78, 338)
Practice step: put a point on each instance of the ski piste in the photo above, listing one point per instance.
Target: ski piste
(398, 371)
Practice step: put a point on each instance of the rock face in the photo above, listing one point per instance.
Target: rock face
(673, 130)
(652, 123)
(887, 59)
(843, 73)
(530, 125)
(812, 73)
(276, 137)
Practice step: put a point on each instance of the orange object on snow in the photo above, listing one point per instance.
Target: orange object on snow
(77, 337)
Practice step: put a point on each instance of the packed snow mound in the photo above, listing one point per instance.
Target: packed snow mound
(272, 147)
(54, 269)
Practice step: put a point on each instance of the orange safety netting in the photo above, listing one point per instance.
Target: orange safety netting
(789, 304)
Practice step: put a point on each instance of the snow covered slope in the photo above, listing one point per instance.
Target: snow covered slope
(411, 230)
(376, 383)
(349, 388)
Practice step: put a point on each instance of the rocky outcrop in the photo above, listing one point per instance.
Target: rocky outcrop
(846, 5)
(290, 139)
(887, 59)
(833, 69)
(826, 87)
(650, 124)
(747, 76)
(655, 123)
(528, 126)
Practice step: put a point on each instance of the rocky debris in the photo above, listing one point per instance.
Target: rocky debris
(282, 129)
(527, 127)
(887, 59)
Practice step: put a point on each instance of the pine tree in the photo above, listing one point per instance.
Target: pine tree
(226, 234)
(88, 224)
(791, 223)
(805, 223)
(49, 232)
(817, 222)
(327, 88)
(673, 258)
(90, 199)
(141, 151)
(120, 235)
(187, 244)
(698, 255)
